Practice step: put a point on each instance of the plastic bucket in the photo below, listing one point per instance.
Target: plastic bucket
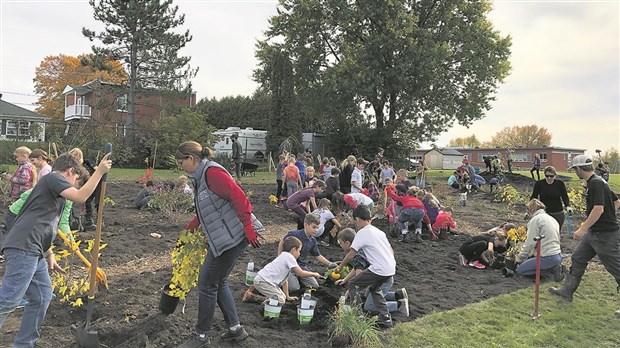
(272, 311)
(506, 272)
(167, 303)
(307, 303)
(305, 315)
(249, 277)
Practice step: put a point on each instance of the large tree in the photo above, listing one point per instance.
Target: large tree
(470, 141)
(524, 136)
(284, 126)
(416, 67)
(238, 111)
(143, 34)
(56, 72)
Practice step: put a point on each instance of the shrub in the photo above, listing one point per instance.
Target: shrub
(187, 257)
(577, 200)
(172, 204)
(350, 325)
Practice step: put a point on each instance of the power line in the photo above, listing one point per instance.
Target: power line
(18, 93)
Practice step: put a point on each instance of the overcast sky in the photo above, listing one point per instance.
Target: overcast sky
(565, 59)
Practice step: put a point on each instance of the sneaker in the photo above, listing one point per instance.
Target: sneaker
(23, 303)
(238, 335)
(196, 341)
(323, 243)
(404, 238)
(401, 294)
(418, 238)
(384, 322)
(477, 264)
(279, 205)
(403, 307)
(463, 260)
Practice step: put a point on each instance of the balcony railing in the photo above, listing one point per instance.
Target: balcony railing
(77, 112)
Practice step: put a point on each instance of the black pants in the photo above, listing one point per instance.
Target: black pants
(473, 250)
(559, 217)
(92, 200)
(537, 172)
(279, 189)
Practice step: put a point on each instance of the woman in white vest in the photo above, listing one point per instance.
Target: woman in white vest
(224, 214)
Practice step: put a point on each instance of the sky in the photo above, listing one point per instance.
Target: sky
(565, 59)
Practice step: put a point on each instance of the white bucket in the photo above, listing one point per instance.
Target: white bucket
(308, 302)
(305, 315)
(249, 277)
(272, 311)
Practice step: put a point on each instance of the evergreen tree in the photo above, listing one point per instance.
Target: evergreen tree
(141, 34)
(284, 131)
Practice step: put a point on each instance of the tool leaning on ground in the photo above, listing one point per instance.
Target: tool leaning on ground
(538, 239)
(83, 335)
(101, 277)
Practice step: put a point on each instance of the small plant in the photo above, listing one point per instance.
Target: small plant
(172, 204)
(73, 285)
(348, 325)
(331, 274)
(577, 200)
(516, 237)
(273, 199)
(187, 257)
(510, 195)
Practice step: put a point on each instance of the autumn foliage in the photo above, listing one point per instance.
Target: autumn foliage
(56, 72)
(525, 136)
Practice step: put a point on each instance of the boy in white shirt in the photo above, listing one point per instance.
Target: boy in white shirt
(379, 253)
(357, 177)
(275, 274)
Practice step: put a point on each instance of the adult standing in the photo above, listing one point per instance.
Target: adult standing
(237, 154)
(552, 193)
(225, 215)
(346, 171)
(536, 167)
(421, 174)
(599, 234)
(541, 224)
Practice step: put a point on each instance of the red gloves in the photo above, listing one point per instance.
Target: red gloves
(252, 237)
(192, 225)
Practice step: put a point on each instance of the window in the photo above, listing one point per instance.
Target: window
(121, 103)
(482, 155)
(543, 157)
(417, 158)
(11, 128)
(24, 129)
(522, 157)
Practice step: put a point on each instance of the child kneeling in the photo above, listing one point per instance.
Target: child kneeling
(275, 274)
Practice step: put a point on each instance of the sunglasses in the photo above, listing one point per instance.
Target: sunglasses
(550, 176)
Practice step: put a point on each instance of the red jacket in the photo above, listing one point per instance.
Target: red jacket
(409, 202)
(443, 221)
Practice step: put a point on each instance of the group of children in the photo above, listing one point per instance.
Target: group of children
(369, 255)
(40, 208)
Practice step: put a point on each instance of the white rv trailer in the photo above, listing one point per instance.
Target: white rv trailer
(253, 142)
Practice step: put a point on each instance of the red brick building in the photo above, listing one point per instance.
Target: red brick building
(559, 157)
(106, 104)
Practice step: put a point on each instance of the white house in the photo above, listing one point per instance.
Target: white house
(21, 124)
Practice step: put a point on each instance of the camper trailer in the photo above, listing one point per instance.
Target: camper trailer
(252, 140)
(254, 145)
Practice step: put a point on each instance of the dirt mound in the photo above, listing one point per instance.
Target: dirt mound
(138, 266)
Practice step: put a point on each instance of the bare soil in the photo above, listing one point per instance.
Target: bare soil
(138, 265)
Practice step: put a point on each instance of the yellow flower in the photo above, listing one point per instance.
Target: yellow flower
(273, 199)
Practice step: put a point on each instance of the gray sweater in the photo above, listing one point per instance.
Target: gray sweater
(542, 223)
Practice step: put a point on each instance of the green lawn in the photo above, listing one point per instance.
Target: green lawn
(504, 321)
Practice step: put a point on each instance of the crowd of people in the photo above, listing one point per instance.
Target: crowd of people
(335, 204)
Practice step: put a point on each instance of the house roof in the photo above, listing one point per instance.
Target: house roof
(8, 110)
(450, 152)
(79, 90)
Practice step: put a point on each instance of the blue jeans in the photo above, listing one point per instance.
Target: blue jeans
(390, 297)
(528, 267)
(25, 274)
(213, 288)
(410, 214)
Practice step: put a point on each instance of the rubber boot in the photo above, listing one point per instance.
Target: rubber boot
(571, 283)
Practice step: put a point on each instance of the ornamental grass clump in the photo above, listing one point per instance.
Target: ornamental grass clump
(349, 325)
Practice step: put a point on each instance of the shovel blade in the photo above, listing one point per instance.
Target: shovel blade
(85, 337)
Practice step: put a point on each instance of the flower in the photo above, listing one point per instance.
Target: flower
(273, 199)
(516, 238)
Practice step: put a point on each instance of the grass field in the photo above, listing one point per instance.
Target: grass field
(505, 321)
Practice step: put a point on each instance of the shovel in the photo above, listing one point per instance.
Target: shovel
(101, 277)
(85, 337)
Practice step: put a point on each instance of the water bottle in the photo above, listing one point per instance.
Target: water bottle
(251, 266)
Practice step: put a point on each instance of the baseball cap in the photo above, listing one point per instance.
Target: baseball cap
(361, 161)
(581, 160)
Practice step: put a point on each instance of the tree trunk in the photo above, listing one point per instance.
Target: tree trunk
(131, 110)
(378, 107)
